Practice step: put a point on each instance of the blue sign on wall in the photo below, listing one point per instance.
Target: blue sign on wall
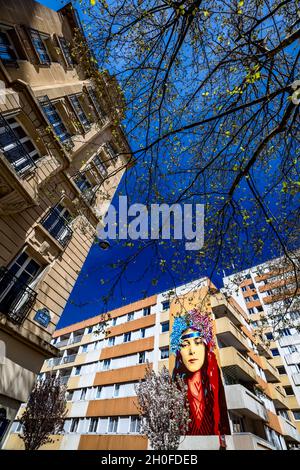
(42, 316)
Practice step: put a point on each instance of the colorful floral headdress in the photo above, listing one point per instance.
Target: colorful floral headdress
(195, 320)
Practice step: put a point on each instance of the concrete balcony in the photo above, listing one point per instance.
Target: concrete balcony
(230, 334)
(289, 340)
(278, 396)
(271, 372)
(289, 431)
(293, 358)
(296, 379)
(222, 308)
(237, 441)
(234, 363)
(292, 402)
(263, 350)
(238, 398)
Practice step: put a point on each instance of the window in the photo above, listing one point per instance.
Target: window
(146, 311)
(96, 104)
(16, 282)
(16, 146)
(288, 390)
(275, 352)
(84, 348)
(106, 364)
(66, 51)
(142, 357)
(57, 222)
(93, 424)
(98, 392)
(90, 329)
(165, 305)
(78, 110)
(255, 297)
(114, 321)
(251, 311)
(77, 370)
(269, 336)
(248, 299)
(116, 390)
(135, 424)
(244, 288)
(83, 394)
(296, 414)
(113, 425)
(252, 286)
(248, 276)
(7, 52)
(111, 341)
(285, 332)
(130, 316)
(143, 332)
(55, 120)
(127, 337)
(37, 40)
(100, 166)
(164, 352)
(281, 370)
(238, 424)
(74, 425)
(111, 151)
(259, 308)
(84, 186)
(165, 326)
(292, 348)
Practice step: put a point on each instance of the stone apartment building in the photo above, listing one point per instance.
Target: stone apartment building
(62, 155)
(100, 373)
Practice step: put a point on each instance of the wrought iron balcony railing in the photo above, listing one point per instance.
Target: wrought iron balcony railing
(58, 226)
(16, 297)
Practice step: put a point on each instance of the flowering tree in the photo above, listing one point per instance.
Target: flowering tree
(44, 414)
(164, 409)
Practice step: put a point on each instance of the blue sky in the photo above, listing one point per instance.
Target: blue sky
(144, 276)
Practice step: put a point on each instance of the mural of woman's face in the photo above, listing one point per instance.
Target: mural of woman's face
(192, 351)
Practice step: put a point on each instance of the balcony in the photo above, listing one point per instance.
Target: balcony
(62, 343)
(16, 298)
(293, 358)
(230, 334)
(58, 226)
(236, 365)
(64, 379)
(278, 396)
(288, 430)
(271, 372)
(238, 398)
(263, 350)
(296, 379)
(76, 339)
(236, 441)
(222, 308)
(289, 340)
(68, 359)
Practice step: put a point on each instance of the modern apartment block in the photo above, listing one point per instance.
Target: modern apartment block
(261, 290)
(62, 155)
(100, 372)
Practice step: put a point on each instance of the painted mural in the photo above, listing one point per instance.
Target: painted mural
(193, 345)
